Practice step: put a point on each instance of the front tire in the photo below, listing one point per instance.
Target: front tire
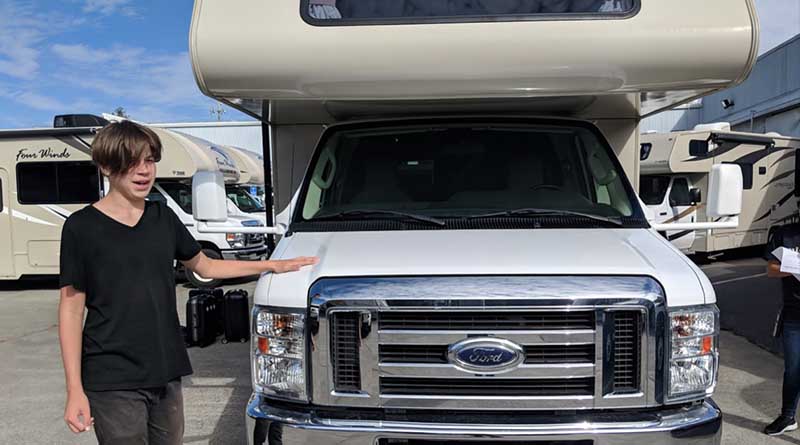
(200, 282)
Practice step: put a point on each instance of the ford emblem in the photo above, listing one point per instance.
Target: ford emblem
(486, 355)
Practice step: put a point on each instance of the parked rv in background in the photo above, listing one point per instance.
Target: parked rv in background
(251, 173)
(189, 155)
(675, 170)
(47, 174)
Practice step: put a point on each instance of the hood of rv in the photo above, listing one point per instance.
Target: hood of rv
(603, 252)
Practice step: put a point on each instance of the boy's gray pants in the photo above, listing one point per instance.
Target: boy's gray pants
(152, 416)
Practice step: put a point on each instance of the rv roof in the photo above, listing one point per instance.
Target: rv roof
(256, 55)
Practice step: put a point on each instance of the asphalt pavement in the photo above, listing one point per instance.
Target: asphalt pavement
(32, 382)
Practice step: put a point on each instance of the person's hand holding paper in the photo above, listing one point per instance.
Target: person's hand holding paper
(790, 261)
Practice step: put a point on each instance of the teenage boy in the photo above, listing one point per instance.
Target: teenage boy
(787, 236)
(124, 366)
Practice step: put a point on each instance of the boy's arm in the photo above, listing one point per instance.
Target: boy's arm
(70, 331)
(774, 270)
(222, 269)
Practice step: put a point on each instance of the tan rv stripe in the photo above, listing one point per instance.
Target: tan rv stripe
(683, 214)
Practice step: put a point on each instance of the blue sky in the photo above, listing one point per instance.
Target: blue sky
(92, 56)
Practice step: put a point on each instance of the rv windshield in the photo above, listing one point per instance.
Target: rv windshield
(180, 193)
(652, 189)
(466, 170)
(243, 200)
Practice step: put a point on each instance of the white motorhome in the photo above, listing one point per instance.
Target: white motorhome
(482, 251)
(675, 170)
(46, 174)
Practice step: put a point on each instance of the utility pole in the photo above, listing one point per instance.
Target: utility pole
(218, 111)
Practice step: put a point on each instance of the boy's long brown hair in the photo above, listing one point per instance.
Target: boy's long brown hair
(120, 145)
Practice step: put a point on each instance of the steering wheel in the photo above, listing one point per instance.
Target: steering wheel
(546, 186)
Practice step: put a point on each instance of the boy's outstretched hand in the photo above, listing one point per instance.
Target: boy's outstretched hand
(294, 264)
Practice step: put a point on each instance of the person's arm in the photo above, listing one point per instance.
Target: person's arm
(77, 413)
(222, 269)
(774, 270)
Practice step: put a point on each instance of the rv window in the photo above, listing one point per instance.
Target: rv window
(344, 12)
(679, 195)
(156, 196)
(652, 189)
(698, 147)
(181, 193)
(645, 150)
(243, 200)
(57, 183)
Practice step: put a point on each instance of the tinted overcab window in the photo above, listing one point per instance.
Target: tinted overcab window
(57, 183)
(416, 11)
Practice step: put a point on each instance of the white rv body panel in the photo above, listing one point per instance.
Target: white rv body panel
(523, 252)
(649, 52)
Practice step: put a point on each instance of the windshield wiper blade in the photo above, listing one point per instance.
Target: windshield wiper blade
(547, 212)
(391, 213)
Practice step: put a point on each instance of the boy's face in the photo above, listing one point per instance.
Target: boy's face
(136, 182)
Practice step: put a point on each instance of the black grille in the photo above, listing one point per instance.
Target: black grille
(542, 354)
(626, 352)
(254, 239)
(413, 354)
(487, 321)
(487, 387)
(344, 352)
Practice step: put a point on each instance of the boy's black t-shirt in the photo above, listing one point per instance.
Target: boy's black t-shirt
(132, 337)
(787, 236)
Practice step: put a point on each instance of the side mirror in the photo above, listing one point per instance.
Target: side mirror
(725, 185)
(209, 200)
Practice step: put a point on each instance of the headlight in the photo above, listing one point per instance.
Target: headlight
(235, 240)
(279, 354)
(693, 353)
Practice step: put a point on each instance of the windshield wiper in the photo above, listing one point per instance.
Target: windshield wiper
(371, 212)
(547, 212)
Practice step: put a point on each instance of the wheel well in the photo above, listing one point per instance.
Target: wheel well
(208, 245)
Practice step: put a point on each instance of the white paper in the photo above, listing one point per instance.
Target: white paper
(790, 261)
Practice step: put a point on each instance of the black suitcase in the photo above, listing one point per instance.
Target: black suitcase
(236, 313)
(202, 320)
(217, 296)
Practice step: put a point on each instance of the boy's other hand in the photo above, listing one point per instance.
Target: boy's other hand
(294, 264)
(77, 413)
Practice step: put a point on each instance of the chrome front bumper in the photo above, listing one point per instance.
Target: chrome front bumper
(693, 425)
(249, 253)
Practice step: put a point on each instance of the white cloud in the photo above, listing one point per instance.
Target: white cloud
(151, 86)
(24, 28)
(33, 100)
(108, 7)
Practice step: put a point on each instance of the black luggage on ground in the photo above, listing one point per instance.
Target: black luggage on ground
(202, 319)
(217, 296)
(236, 315)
